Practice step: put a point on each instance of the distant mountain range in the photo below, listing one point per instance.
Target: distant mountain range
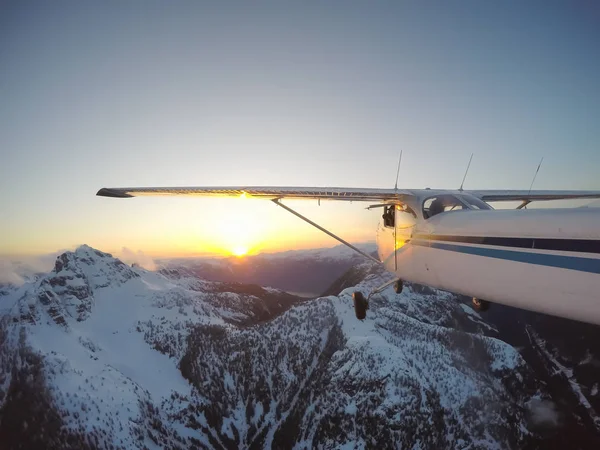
(306, 272)
(98, 354)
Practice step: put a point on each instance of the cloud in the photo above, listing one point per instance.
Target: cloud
(22, 269)
(140, 258)
(45, 263)
(543, 413)
(8, 273)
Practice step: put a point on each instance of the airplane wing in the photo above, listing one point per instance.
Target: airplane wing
(531, 196)
(322, 193)
(335, 193)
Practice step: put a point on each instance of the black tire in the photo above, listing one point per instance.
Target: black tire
(398, 285)
(360, 305)
(481, 305)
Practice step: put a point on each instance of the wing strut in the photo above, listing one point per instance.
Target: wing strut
(297, 214)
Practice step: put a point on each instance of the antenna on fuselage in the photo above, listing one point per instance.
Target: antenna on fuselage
(527, 201)
(466, 172)
(535, 175)
(395, 186)
(398, 171)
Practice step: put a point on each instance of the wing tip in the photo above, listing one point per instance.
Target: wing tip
(107, 192)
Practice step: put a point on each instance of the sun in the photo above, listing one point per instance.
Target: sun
(239, 250)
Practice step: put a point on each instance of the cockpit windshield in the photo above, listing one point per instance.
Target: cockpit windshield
(474, 202)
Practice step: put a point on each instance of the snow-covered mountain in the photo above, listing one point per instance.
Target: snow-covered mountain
(97, 354)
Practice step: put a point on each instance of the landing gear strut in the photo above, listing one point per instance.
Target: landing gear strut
(481, 305)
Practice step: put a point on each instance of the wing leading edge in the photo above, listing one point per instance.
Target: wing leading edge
(264, 192)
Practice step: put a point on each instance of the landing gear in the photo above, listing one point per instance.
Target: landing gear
(360, 305)
(481, 305)
(398, 286)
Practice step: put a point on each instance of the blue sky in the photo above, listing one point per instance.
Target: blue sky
(281, 93)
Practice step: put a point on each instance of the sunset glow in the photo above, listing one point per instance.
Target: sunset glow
(240, 251)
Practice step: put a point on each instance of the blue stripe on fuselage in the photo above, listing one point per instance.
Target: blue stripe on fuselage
(590, 265)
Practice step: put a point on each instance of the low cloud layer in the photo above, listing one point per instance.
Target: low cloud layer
(140, 258)
(24, 269)
(9, 273)
(18, 272)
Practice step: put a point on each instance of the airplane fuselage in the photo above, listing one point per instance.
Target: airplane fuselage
(544, 260)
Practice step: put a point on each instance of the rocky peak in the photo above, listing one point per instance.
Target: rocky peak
(68, 290)
(84, 254)
(99, 269)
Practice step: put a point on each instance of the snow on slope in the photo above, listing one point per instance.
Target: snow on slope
(315, 377)
(134, 359)
(87, 318)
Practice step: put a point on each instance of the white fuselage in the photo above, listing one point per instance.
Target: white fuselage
(545, 260)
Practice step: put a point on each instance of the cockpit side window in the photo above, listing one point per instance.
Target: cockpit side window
(442, 203)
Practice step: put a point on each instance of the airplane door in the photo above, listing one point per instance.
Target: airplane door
(395, 231)
(404, 225)
(386, 237)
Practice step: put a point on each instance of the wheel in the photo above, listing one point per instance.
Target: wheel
(398, 285)
(481, 305)
(360, 305)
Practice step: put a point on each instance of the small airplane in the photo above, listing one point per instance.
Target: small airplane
(544, 260)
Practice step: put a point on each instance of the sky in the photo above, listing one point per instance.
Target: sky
(312, 93)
